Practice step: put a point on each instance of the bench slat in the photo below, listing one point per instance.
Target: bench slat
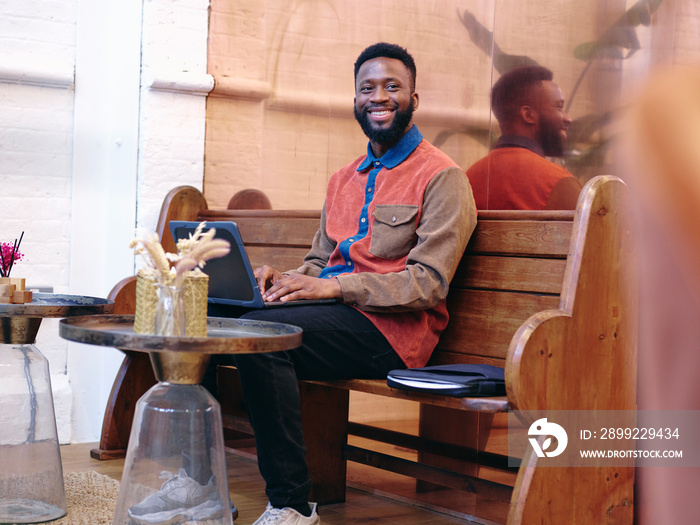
(282, 258)
(273, 230)
(547, 238)
(294, 232)
(482, 322)
(379, 387)
(447, 357)
(509, 273)
(483, 488)
(527, 238)
(219, 215)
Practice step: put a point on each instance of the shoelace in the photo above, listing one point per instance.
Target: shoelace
(272, 514)
(172, 480)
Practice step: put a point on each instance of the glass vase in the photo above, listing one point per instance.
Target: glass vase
(31, 474)
(170, 316)
(175, 468)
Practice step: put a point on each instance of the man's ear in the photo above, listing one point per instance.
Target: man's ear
(529, 115)
(415, 100)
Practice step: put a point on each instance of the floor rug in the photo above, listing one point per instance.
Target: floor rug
(92, 499)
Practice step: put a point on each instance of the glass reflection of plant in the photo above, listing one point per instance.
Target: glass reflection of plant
(618, 42)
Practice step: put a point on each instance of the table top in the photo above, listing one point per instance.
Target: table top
(58, 305)
(224, 335)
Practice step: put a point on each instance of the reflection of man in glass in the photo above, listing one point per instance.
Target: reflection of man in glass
(393, 229)
(515, 175)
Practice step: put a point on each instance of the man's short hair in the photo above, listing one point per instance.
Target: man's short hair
(513, 90)
(382, 49)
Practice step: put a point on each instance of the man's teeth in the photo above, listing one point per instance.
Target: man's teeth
(380, 113)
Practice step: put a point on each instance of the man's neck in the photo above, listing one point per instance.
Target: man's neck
(396, 154)
(380, 149)
(519, 141)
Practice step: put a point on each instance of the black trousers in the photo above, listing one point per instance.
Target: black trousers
(338, 343)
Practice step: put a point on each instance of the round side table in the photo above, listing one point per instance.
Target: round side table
(175, 467)
(31, 473)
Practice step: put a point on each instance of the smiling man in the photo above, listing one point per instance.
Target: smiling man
(393, 229)
(384, 116)
(515, 175)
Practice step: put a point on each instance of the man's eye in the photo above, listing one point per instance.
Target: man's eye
(393, 87)
(365, 89)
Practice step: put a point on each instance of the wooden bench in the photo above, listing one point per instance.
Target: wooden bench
(542, 294)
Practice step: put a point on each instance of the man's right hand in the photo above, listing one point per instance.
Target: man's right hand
(295, 286)
(266, 276)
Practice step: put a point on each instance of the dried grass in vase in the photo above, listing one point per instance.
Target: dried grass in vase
(180, 271)
(170, 268)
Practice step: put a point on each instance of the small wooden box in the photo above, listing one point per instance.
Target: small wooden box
(22, 297)
(18, 282)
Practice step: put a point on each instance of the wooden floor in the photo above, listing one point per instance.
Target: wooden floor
(395, 504)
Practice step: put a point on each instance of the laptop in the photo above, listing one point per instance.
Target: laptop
(231, 278)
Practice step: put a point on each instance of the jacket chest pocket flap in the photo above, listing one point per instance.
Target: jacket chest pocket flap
(394, 230)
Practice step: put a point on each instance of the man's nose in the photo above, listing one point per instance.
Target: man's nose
(379, 94)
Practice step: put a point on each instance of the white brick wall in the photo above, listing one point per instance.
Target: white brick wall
(171, 144)
(85, 157)
(37, 42)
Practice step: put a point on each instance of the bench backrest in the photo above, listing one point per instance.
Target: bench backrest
(513, 267)
(280, 238)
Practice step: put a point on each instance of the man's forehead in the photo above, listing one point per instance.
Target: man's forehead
(383, 67)
(552, 90)
(545, 93)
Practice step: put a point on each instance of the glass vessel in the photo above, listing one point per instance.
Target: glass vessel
(31, 474)
(175, 467)
(170, 311)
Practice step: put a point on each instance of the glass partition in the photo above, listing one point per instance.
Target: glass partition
(280, 119)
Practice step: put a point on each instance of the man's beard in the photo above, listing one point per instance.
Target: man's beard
(549, 137)
(390, 135)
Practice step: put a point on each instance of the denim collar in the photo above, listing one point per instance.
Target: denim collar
(518, 141)
(397, 153)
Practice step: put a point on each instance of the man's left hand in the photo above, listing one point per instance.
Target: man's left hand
(297, 286)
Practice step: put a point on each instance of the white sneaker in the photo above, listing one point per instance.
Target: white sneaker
(179, 499)
(287, 516)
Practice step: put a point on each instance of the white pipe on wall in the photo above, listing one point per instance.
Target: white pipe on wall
(247, 89)
(184, 82)
(35, 74)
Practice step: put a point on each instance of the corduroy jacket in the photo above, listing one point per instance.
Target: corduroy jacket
(393, 231)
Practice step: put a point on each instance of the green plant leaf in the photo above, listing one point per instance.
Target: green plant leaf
(620, 35)
(583, 128)
(483, 39)
(577, 160)
(590, 50)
